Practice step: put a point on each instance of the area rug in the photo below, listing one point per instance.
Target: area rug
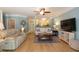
(54, 40)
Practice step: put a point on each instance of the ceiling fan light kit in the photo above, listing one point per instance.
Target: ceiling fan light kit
(42, 11)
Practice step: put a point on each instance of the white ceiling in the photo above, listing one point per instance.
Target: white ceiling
(28, 11)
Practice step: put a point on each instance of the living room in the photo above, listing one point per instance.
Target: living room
(29, 29)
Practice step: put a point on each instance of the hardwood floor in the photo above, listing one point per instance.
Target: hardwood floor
(30, 46)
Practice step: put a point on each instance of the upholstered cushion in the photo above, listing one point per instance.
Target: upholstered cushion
(2, 34)
(11, 31)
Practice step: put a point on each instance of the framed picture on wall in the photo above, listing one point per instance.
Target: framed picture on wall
(11, 23)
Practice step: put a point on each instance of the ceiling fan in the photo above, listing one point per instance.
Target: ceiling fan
(42, 11)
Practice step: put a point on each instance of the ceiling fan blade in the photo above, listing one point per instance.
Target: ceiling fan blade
(47, 12)
(35, 11)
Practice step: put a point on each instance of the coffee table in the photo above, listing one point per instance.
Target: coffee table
(44, 37)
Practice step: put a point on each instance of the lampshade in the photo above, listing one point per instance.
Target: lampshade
(22, 29)
(1, 26)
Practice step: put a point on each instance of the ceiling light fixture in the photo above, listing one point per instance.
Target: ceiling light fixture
(42, 11)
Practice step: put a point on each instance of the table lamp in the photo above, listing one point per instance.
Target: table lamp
(1, 26)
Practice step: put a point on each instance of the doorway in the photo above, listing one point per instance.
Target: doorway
(31, 22)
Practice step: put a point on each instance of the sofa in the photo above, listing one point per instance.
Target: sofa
(13, 40)
(43, 30)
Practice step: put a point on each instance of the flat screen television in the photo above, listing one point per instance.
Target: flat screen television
(68, 25)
